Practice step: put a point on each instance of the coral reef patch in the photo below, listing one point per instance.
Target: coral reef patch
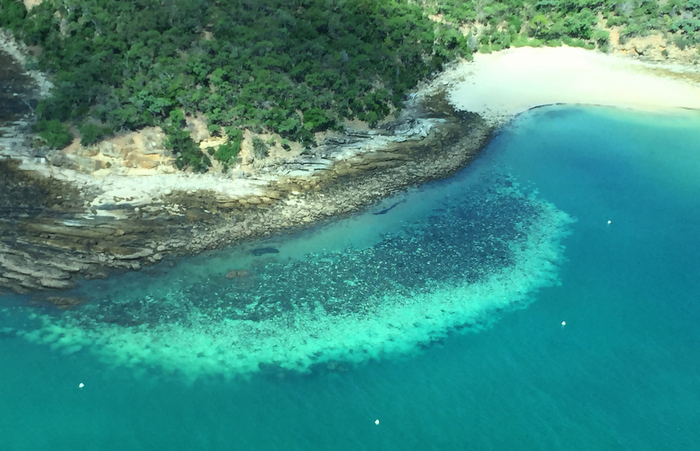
(475, 255)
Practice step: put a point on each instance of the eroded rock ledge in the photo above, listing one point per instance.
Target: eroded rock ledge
(60, 224)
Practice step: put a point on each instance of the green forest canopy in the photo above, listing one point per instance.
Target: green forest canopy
(289, 67)
(578, 23)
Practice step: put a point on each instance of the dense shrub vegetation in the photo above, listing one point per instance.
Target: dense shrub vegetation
(581, 23)
(54, 133)
(292, 67)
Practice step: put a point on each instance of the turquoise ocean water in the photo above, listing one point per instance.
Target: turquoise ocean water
(442, 317)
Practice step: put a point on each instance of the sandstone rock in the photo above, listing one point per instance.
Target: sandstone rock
(373, 165)
(90, 151)
(141, 161)
(31, 268)
(32, 285)
(72, 230)
(344, 170)
(55, 283)
(16, 276)
(12, 284)
(197, 128)
(60, 159)
(152, 140)
(109, 149)
(126, 253)
(87, 164)
(65, 265)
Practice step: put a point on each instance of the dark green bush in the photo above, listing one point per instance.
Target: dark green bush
(12, 14)
(188, 154)
(601, 37)
(91, 133)
(54, 133)
(227, 152)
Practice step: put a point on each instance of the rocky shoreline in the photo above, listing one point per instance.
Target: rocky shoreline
(60, 224)
(81, 213)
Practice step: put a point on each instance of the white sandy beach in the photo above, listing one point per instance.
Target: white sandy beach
(500, 85)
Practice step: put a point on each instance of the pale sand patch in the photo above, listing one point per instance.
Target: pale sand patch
(29, 4)
(500, 85)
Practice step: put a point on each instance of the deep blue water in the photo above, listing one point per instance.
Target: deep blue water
(623, 373)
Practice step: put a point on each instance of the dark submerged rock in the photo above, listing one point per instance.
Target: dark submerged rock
(264, 250)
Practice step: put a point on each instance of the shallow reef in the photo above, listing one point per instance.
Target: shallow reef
(484, 252)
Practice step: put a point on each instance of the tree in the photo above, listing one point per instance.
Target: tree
(54, 133)
(12, 13)
(538, 23)
(91, 133)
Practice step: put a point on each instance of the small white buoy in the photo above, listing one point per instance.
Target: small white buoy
(609, 222)
(81, 385)
(563, 323)
(376, 422)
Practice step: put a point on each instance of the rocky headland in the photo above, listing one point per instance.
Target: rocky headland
(120, 205)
